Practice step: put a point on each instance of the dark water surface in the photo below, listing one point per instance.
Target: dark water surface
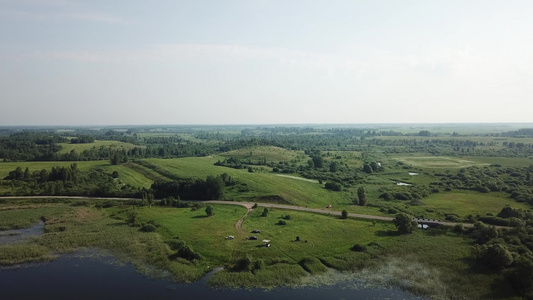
(89, 277)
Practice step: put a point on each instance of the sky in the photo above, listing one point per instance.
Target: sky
(128, 62)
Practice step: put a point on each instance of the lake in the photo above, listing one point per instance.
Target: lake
(87, 276)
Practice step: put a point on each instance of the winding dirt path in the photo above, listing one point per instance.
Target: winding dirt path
(238, 225)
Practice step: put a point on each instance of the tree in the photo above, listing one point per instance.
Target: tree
(150, 199)
(355, 200)
(404, 223)
(361, 194)
(333, 186)
(424, 133)
(209, 211)
(115, 174)
(344, 214)
(334, 167)
(318, 161)
(265, 212)
(367, 169)
(495, 255)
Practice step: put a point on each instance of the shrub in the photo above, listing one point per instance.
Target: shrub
(209, 211)
(344, 214)
(265, 212)
(148, 228)
(281, 222)
(243, 264)
(358, 248)
(333, 186)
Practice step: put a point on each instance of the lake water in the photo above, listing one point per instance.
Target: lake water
(101, 277)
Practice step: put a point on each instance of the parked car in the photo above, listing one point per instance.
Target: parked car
(256, 231)
(252, 237)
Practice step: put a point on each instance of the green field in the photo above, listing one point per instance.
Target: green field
(66, 147)
(463, 203)
(270, 153)
(438, 162)
(258, 185)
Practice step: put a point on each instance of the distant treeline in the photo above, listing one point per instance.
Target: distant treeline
(43, 146)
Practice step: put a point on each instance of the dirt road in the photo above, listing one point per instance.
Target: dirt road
(249, 206)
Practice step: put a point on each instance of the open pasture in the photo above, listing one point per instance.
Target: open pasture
(464, 203)
(438, 162)
(255, 186)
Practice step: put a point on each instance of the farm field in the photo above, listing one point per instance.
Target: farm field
(439, 162)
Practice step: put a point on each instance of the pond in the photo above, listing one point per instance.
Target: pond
(85, 275)
(17, 235)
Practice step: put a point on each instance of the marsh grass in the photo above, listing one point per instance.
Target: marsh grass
(24, 253)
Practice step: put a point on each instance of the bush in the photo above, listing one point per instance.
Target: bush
(333, 186)
(209, 211)
(344, 214)
(148, 228)
(358, 248)
(243, 264)
(281, 222)
(404, 223)
(265, 212)
(287, 217)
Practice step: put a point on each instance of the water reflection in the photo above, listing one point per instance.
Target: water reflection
(17, 235)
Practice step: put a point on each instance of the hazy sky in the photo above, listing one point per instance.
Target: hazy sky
(260, 62)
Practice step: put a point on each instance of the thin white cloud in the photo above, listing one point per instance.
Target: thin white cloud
(23, 15)
(53, 10)
(177, 53)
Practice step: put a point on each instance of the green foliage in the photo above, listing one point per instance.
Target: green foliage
(494, 255)
(404, 223)
(209, 211)
(359, 248)
(344, 214)
(281, 222)
(148, 228)
(333, 186)
(312, 265)
(265, 212)
(361, 195)
(244, 264)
